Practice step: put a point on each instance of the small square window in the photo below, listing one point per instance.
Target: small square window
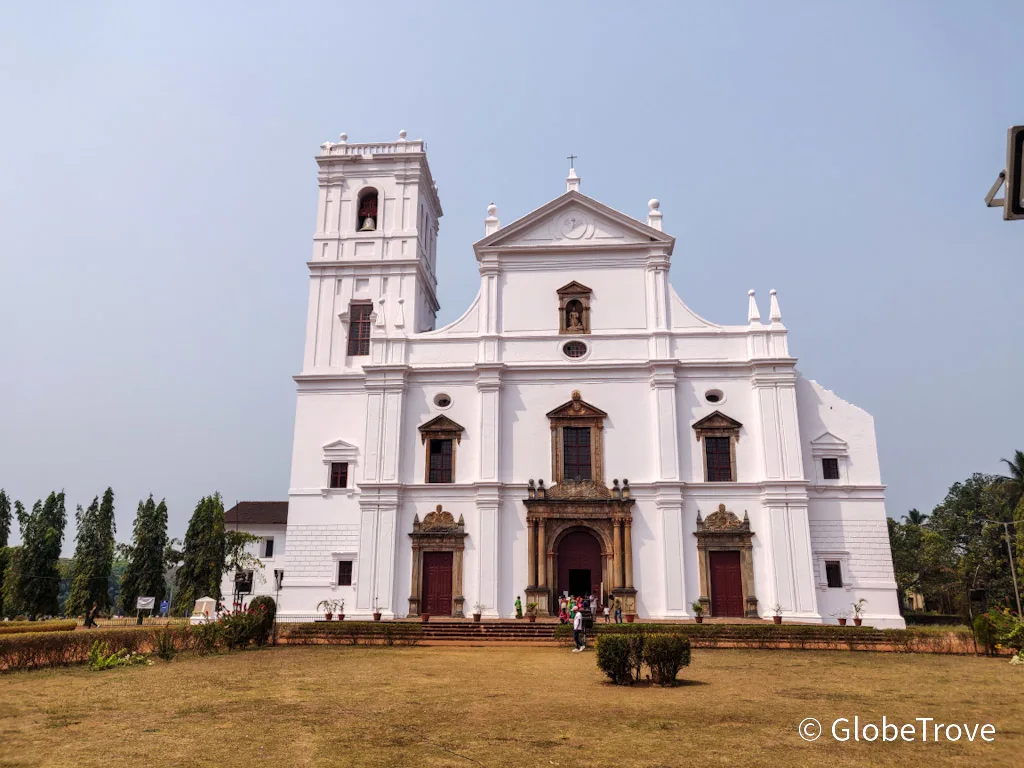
(830, 469)
(339, 474)
(268, 546)
(834, 574)
(344, 573)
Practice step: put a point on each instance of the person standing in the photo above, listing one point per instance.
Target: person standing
(90, 616)
(577, 631)
(519, 608)
(618, 611)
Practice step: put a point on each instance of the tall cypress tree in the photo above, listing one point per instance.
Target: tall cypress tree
(203, 555)
(38, 577)
(94, 555)
(144, 576)
(5, 533)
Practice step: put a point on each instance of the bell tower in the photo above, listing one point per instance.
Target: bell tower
(374, 250)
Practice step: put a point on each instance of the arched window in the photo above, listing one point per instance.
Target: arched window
(366, 211)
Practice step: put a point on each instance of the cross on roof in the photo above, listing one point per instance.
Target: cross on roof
(571, 159)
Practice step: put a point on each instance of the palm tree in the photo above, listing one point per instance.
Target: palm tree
(916, 518)
(1014, 481)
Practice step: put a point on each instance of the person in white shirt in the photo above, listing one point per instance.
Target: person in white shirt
(577, 631)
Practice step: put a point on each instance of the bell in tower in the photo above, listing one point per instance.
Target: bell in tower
(368, 211)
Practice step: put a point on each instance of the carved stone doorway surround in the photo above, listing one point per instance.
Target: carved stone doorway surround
(589, 506)
(439, 532)
(723, 531)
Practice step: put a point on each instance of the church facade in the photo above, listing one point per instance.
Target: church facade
(578, 429)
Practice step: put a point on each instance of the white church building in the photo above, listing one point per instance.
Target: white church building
(578, 429)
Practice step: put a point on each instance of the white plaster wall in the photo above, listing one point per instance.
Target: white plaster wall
(263, 580)
(642, 336)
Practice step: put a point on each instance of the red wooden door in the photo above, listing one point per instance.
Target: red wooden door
(437, 583)
(726, 584)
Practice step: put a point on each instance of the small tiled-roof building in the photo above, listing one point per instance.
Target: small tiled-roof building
(269, 521)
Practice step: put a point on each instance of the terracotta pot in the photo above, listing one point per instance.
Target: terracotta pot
(341, 617)
(376, 617)
(777, 619)
(842, 622)
(630, 617)
(699, 619)
(328, 616)
(858, 621)
(476, 617)
(425, 617)
(532, 617)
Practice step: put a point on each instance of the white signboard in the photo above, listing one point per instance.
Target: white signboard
(145, 603)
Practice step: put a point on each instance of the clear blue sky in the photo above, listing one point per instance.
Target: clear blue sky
(157, 192)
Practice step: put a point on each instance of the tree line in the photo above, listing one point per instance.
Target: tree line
(962, 545)
(35, 582)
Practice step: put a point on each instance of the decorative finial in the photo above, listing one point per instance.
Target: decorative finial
(343, 137)
(576, 395)
(776, 313)
(401, 135)
(753, 313)
(491, 223)
(654, 213)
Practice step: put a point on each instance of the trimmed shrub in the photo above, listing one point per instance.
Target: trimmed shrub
(264, 607)
(19, 627)
(665, 655)
(613, 658)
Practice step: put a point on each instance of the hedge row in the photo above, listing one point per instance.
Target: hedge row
(799, 636)
(20, 627)
(38, 650)
(351, 633)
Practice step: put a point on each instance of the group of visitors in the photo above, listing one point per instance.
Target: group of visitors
(569, 606)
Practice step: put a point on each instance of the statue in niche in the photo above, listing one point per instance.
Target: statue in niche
(574, 317)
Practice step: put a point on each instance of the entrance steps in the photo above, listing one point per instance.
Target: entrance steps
(509, 630)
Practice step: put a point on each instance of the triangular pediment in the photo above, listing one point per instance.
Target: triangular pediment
(573, 289)
(576, 408)
(717, 420)
(573, 219)
(828, 440)
(339, 450)
(441, 424)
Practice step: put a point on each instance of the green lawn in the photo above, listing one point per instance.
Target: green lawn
(500, 706)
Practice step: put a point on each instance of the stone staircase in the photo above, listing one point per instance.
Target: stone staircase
(463, 632)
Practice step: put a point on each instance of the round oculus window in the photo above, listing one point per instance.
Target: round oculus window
(714, 396)
(574, 349)
(442, 400)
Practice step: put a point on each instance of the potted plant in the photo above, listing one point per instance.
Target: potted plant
(630, 617)
(531, 612)
(327, 606)
(777, 618)
(340, 607)
(376, 610)
(858, 611)
(425, 617)
(841, 616)
(478, 611)
(698, 611)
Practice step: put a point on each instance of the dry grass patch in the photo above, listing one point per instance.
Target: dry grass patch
(498, 707)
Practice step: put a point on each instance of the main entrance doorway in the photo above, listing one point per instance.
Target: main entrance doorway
(579, 564)
(726, 584)
(437, 583)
